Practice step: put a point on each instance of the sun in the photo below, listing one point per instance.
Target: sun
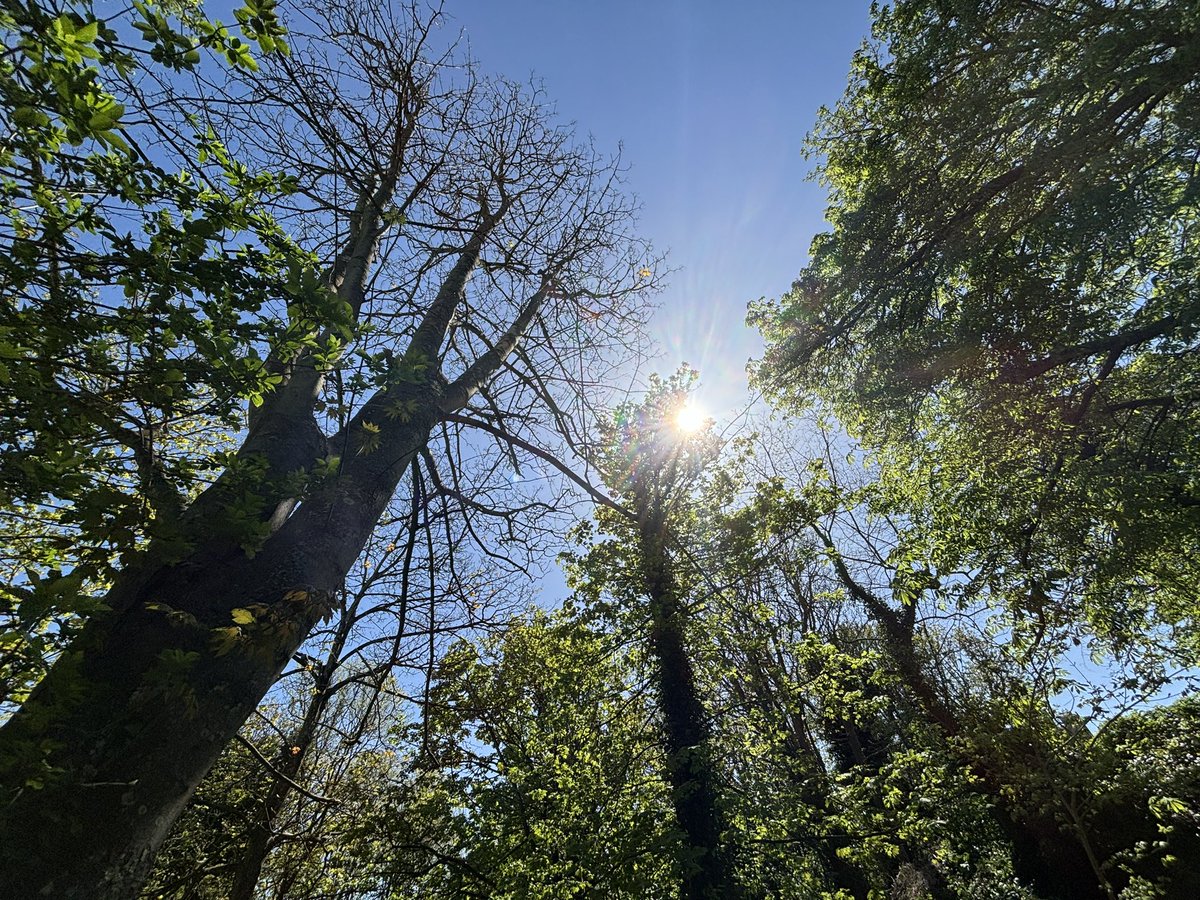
(690, 418)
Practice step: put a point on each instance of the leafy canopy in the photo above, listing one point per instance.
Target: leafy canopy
(1005, 307)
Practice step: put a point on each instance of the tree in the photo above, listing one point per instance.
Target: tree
(653, 467)
(834, 763)
(1005, 304)
(794, 688)
(123, 283)
(1000, 707)
(541, 750)
(454, 221)
(1002, 314)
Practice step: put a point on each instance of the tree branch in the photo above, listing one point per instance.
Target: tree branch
(599, 496)
(278, 774)
(478, 373)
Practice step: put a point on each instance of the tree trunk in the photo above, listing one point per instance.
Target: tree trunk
(706, 870)
(111, 745)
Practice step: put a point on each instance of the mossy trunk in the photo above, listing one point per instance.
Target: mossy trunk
(99, 762)
(706, 869)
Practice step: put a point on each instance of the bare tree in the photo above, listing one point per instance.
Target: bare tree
(479, 257)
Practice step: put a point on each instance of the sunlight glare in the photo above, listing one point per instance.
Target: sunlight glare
(690, 418)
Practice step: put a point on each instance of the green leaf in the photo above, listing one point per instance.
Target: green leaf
(87, 34)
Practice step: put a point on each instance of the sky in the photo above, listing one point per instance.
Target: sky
(711, 101)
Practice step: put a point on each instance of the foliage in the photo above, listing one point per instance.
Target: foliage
(1004, 306)
(540, 752)
(237, 469)
(130, 295)
(327, 846)
(451, 232)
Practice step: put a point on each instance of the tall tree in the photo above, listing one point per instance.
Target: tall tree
(1006, 299)
(455, 220)
(653, 465)
(541, 749)
(1025, 751)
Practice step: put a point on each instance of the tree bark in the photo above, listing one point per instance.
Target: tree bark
(117, 745)
(706, 869)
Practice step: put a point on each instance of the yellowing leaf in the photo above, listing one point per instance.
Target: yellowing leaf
(225, 639)
(243, 616)
(371, 438)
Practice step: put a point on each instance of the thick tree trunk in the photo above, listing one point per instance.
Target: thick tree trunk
(706, 872)
(110, 747)
(100, 760)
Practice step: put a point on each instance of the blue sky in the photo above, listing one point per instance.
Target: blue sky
(712, 101)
